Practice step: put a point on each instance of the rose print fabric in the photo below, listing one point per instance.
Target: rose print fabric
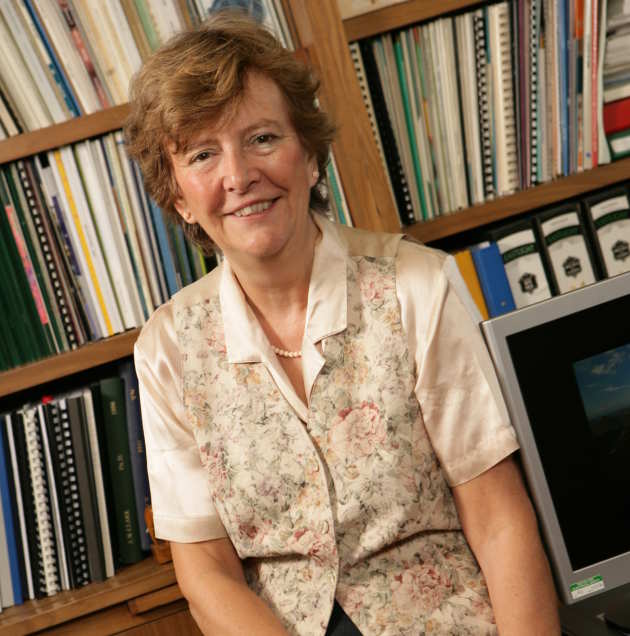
(351, 503)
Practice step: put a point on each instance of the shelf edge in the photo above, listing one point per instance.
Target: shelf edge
(399, 15)
(64, 364)
(73, 130)
(532, 198)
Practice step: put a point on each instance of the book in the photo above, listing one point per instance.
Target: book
(484, 101)
(608, 218)
(87, 488)
(390, 150)
(15, 504)
(617, 116)
(7, 582)
(49, 575)
(95, 456)
(563, 237)
(119, 468)
(504, 121)
(55, 493)
(466, 266)
(137, 453)
(64, 467)
(493, 279)
(22, 502)
(523, 263)
(11, 544)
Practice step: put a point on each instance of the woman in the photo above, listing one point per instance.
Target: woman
(321, 417)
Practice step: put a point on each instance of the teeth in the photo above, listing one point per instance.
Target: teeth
(253, 209)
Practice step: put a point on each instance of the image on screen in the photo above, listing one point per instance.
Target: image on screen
(604, 384)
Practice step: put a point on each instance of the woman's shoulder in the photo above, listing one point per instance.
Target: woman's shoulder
(160, 328)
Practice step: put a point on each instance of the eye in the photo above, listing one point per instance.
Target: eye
(264, 139)
(200, 156)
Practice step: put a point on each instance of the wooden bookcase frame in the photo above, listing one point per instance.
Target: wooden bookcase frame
(324, 37)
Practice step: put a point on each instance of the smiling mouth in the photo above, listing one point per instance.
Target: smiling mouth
(256, 208)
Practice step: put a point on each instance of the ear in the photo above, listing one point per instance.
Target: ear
(183, 210)
(313, 171)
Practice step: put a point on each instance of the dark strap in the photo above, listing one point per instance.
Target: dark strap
(340, 624)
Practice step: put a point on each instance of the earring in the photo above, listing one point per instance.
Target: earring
(316, 174)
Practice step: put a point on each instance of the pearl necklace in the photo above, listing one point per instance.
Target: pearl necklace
(286, 354)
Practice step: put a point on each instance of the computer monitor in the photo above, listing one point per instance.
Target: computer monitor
(564, 367)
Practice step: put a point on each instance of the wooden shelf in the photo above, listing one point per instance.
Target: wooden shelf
(129, 582)
(68, 132)
(530, 199)
(64, 364)
(400, 15)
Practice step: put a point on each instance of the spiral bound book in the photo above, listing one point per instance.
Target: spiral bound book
(58, 422)
(534, 78)
(49, 575)
(483, 98)
(505, 140)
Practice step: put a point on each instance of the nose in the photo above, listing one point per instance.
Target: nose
(238, 172)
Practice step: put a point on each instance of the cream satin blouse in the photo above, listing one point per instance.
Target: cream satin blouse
(456, 386)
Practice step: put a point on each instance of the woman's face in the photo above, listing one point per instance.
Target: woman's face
(247, 182)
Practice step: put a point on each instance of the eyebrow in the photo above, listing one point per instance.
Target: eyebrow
(195, 144)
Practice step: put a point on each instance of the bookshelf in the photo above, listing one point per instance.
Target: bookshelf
(147, 592)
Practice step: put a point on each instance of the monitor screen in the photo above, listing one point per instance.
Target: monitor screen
(564, 366)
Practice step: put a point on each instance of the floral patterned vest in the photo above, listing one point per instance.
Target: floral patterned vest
(353, 503)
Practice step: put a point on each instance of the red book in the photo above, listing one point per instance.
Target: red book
(617, 115)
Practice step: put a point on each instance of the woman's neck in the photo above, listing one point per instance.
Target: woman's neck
(277, 288)
(277, 284)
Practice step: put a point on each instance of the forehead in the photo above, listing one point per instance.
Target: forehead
(261, 101)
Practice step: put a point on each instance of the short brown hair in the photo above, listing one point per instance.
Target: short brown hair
(197, 78)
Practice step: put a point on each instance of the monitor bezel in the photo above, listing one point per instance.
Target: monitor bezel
(614, 571)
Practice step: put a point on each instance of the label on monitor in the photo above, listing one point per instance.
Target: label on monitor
(587, 586)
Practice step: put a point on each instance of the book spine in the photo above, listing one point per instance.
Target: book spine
(11, 530)
(137, 452)
(127, 527)
(45, 531)
(76, 541)
(493, 279)
(485, 125)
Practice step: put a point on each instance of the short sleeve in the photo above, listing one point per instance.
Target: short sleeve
(456, 385)
(182, 507)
